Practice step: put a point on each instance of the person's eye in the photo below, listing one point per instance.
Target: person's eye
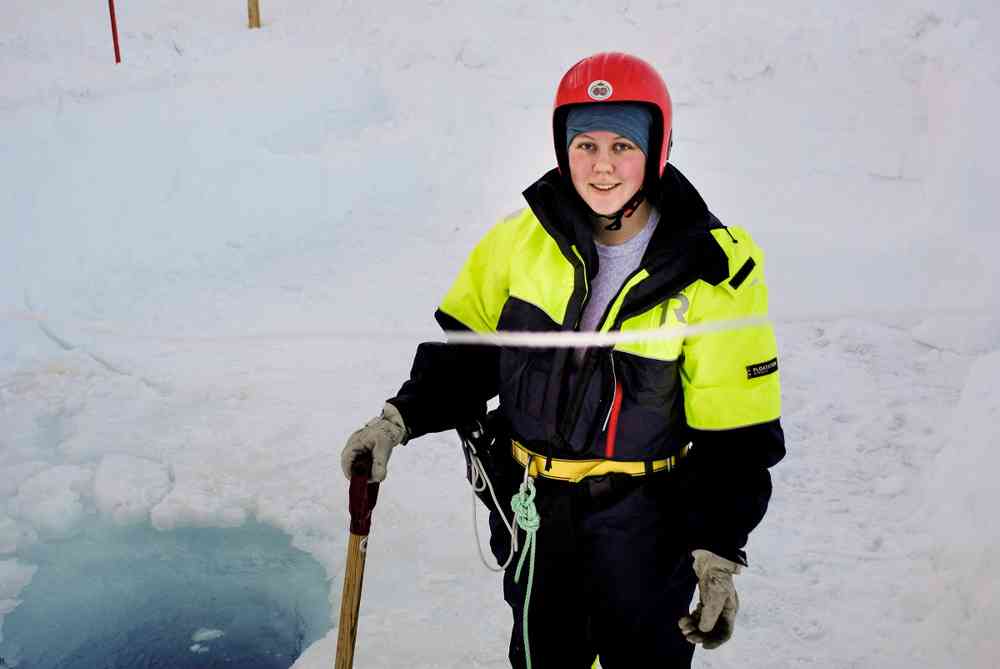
(585, 146)
(622, 147)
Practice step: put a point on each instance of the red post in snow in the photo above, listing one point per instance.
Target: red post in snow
(114, 30)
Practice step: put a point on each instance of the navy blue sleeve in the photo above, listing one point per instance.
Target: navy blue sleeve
(726, 485)
(449, 385)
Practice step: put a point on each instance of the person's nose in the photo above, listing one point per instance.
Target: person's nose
(603, 164)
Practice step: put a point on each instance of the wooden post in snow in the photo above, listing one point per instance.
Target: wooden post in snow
(253, 9)
(114, 30)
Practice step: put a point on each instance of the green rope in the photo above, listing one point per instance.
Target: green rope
(526, 517)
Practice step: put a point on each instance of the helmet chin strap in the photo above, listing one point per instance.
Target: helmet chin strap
(625, 212)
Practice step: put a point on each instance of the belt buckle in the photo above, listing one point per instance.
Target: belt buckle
(599, 486)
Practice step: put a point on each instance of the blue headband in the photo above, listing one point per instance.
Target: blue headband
(630, 120)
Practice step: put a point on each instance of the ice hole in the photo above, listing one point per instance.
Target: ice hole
(126, 598)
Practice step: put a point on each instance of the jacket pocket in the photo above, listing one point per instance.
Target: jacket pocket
(532, 389)
(524, 380)
(650, 384)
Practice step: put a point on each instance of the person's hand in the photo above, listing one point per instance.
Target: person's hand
(377, 438)
(711, 623)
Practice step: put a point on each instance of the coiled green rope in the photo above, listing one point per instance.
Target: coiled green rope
(526, 517)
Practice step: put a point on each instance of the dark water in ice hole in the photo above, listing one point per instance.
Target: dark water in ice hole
(116, 598)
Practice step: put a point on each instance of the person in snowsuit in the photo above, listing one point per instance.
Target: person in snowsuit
(649, 457)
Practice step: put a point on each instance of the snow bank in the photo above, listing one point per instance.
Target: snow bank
(963, 613)
(961, 333)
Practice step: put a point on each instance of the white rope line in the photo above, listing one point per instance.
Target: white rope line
(480, 482)
(586, 339)
(570, 339)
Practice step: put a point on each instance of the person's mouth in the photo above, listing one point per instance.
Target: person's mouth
(604, 188)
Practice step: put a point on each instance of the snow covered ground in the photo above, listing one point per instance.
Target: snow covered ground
(218, 256)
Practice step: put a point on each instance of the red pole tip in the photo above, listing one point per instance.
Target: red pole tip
(114, 30)
(361, 501)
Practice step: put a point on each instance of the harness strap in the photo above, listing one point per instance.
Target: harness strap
(575, 471)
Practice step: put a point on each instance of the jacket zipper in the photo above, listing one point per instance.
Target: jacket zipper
(610, 427)
(588, 365)
(569, 417)
(566, 421)
(611, 421)
(586, 288)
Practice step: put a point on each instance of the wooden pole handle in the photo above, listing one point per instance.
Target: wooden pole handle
(253, 9)
(361, 502)
(350, 601)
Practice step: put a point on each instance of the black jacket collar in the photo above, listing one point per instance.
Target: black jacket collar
(683, 232)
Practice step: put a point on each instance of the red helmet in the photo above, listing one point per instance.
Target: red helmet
(616, 77)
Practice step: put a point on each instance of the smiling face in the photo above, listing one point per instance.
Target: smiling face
(606, 169)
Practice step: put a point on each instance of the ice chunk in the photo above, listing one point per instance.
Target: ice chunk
(205, 634)
(201, 497)
(127, 487)
(9, 535)
(53, 500)
(14, 577)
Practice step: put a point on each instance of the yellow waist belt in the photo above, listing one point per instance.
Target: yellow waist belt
(575, 471)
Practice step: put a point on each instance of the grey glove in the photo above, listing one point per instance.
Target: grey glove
(378, 437)
(711, 623)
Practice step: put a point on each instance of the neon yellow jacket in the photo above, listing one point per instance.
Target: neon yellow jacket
(718, 385)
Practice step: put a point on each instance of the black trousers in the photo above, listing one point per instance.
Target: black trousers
(612, 577)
